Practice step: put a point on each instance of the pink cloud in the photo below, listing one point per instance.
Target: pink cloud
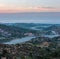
(27, 9)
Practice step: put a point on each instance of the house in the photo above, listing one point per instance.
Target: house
(29, 34)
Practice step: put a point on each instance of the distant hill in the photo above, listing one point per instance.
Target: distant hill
(27, 25)
(44, 28)
(12, 31)
(55, 28)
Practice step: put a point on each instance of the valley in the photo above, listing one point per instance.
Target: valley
(30, 41)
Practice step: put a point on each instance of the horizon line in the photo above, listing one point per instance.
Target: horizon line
(32, 12)
(26, 23)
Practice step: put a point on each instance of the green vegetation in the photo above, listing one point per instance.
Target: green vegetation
(37, 48)
(29, 51)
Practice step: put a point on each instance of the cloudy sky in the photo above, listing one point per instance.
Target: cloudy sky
(29, 5)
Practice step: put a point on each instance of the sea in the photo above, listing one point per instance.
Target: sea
(31, 17)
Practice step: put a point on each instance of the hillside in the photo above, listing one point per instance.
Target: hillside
(10, 32)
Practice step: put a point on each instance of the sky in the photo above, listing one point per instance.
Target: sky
(29, 6)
